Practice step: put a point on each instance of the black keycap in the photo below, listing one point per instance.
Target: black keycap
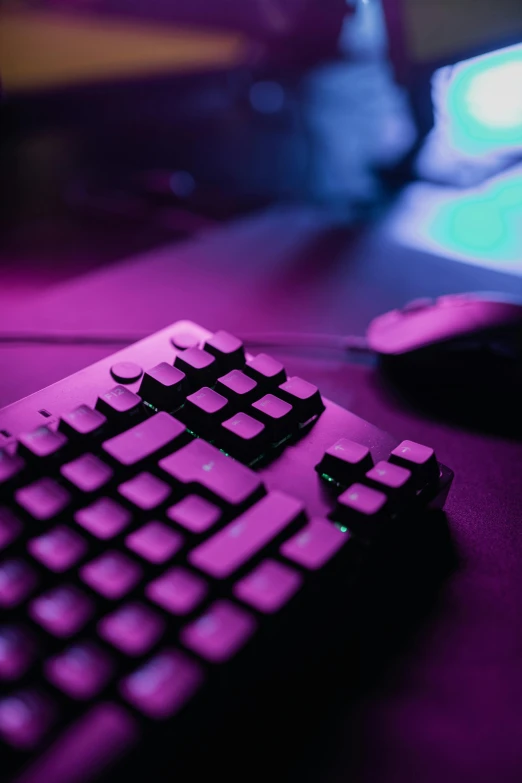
(362, 509)
(25, 719)
(204, 411)
(266, 371)
(199, 366)
(43, 499)
(243, 437)
(345, 462)
(41, 444)
(227, 349)
(240, 390)
(277, 416)
(163, 387)
(10, 528)
(304, 397)
(11, 466)
(420, 460)
(83, 422)
(87, 473)
(121, 406)
(145, 439)
(396, 482)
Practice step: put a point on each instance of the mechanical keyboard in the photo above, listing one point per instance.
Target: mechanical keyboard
(170, 519)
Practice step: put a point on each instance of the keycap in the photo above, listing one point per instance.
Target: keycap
(394, 481)
(145, 491)
(86, 748)
(239, 389)
(233, 546)
(178, 591)
(82, 422)
(266, 371)
(17, 651)
(41, 443)
(315, 544)
(194, 513)
(25, 718)
(43, 499)
(220, 632)
(155, 542)
(87, 473)
(17, 581)
(145, 439)
(199, 366)
(226, 480)
(277, 416)
(269, 586)
(58, 549)
(244, 437)
(104, 518)
(362, 509)
(204, 410)
(62, 611)
(227, 349)
(418, 459)
(10, 528)
(345, 461)
(81, 670)
(126, 372)
(11, 465)
(112, 574)
(120, 406)
(163, 685)
(133, 628)
(163, 387)
(303, 396)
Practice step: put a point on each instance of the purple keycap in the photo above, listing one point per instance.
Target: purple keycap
(86, 747)
(80, 671)
(155, 542)
(420, 460)
(10, 528)
(198, 365)
(112, 574)
(87, 473)
(163, 387)
(58, 549)
(345, 461)
(17, 651)
(119, 403)
(43, 499)
(104, 518)
(266, 371)
(361, 501)
(82, 421)
(277, 416)
(10, 466)
(219, 633)
(17, 581)
(133, 629)
(304, 397)
(238, 388)
(269, 586)
(41, 443)
(194, 513)
(204, 410)
(62, 611)
(25, 718)
(227, 349)
(178, 591)
(145, 491)
(143, 440)
(163, 685)
(243, 436)
(248, 534)
(395, 481)
(315, 544)
(200, 463)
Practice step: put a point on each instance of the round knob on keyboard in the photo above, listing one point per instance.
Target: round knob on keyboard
(183, 340)
(126, 372)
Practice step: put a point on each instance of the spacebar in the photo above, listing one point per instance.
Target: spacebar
(86, 748)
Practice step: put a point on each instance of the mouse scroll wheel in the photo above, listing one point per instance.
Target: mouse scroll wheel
(417, 304)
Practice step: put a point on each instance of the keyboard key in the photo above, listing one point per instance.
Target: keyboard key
(87, 473)
(269, 586)
(25, 718)
(133, 629)
(120, 406)
(277, 416)
(112, 575)
(155, 542)
(194, 513)
(304, 398)
(43, 499)
(227, 349)
(62, 611)
(219, 633)
(266, 371)
(17, 652)
(41, 443)
(418, 459)
(199, 366)
(17, 581)
(361, 508)
(204, 410)
(315, 544)
(243, 437)
(10, 528)
(345, 461)
(163, 685)
(81, 670)
(145, 439)
(145, 491)
(178, 591)
(242, 539)
(238, 388)
(58, 549)
(391, 479)
(11, 465)
(223, 478)
(104, 518)
(82, 422)
(163, 387)
(126, 372)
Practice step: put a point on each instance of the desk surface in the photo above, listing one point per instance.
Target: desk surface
(449, 708)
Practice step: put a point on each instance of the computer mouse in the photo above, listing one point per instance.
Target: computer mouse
(458, 356)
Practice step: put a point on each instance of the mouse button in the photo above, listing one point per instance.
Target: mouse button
(417, 304)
